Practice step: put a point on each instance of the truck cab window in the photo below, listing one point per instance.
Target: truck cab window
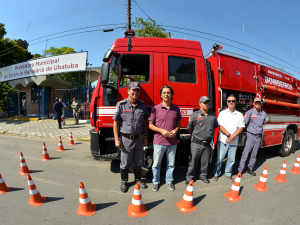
(134, 68)
(182, 69)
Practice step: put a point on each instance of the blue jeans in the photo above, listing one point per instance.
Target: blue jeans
(223, 149)
(158, 154)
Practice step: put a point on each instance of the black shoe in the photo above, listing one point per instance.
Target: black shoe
(138, 178)
(205, 180)
(124, 187)
(142, 184)
(250, 172)
(187, 183)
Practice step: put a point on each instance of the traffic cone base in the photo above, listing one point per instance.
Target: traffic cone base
(186, 205)
(281, 176)
(137, 207)
(3, 187)
(24, 167)
(295, 169)
(41, 201)
(234, 194)
(91, 210)
(261, 184)
(36, 199)
(86, 207)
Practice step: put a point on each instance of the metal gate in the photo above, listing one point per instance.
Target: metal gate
(68, 93)
(12, 105)
(43, 103)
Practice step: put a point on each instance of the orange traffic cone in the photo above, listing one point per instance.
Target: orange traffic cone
(295, 169)
(281, 176)
(46, 156)
(137, 208)
(60, 145)
(85, 208)
(24, 167)
(36, 199)
(186, 204)
(261, 185)
(71, 142)
(233, 194)
(3, 187)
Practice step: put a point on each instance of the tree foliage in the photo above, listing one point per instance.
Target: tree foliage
(148, 28)
(58, 51)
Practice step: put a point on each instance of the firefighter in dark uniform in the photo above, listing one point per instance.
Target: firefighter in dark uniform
(58, 106)
(255, 119)
(131, 133)
(201, 125)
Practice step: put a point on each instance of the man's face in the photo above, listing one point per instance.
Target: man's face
(257, 104)
(134, 93)
(204, 105)
(166, 94)
(231, 102)
(60, 100)
(74, 99)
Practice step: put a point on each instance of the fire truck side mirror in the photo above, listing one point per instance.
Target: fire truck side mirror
(104, 73)
(107, 55)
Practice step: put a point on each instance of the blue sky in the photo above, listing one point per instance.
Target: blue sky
(270, 33)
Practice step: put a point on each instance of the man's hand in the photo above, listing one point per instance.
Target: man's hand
(232, 137)
(118, 143)
(145, 141)
(228, 140)
(172, 134)
(165, 133)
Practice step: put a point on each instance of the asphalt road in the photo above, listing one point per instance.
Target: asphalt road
(58, 180)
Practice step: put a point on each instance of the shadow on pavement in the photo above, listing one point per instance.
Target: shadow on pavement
(52, 199)
(15, 189)
(151, 205)
(56, 157)
(36, 171)
(199, 199)
(104, 205)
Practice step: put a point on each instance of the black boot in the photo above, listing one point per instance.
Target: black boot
(138, 177)
(124, 178)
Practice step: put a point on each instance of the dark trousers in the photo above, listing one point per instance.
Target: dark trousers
(58, 116)
(132, 149)
(202, 153)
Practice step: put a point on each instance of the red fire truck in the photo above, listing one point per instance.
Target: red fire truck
(155, 62)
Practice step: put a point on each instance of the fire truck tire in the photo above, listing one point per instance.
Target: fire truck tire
(288, 144)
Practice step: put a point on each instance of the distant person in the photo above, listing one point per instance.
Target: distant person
(76, 110)
(255, 119)
(63, 112)
(231, 124)
(164, 120)
(24, 105)
(58, 109)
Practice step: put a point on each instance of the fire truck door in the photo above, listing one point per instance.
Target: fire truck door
(137, 67)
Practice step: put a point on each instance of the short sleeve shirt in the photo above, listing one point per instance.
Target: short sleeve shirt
(165, 119)
(58, 106)
(255, 121)
(203, 126)
(231, 122)
(23, 102)
(75, 106)
(131, 118)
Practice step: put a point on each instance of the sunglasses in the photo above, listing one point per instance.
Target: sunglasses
(229, 101)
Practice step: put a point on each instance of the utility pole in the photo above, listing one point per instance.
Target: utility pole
(129, 15)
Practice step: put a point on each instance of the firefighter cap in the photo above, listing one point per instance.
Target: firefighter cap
(257, 99)
(204, 99)
(135, 85)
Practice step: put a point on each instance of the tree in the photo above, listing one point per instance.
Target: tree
(58, 51)
(148, 28)
(36, 56)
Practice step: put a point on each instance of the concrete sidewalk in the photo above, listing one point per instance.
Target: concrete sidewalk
(46, 128)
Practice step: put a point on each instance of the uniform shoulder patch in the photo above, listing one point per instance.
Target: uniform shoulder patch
(123, 101)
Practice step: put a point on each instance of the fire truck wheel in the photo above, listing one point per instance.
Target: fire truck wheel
(288, 144)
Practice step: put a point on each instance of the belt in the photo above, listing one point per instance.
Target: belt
(200, 142)
(131, 137)
(257, 135)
